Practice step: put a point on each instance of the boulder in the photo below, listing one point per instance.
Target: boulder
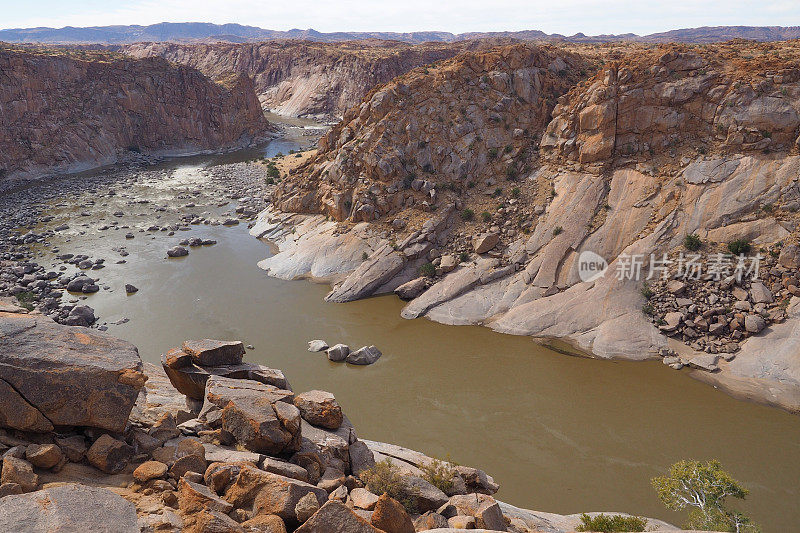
(484, 242)
(391, 517)
(280, 495)
(422, 495)
(317, 346)
(760, 294)
(448, 263)
(19, 471)
(194, 497)
(361, 457)
(754, 323)
(306, 507)
(319, 408)
(74, 447)
(338, 352)
(66, 508)
(190, 379)
(44, 455)
(412, 289)
(260, 417)
(177, 251)
(72, 376)
(365, 355)
(336, 516)
(210, 352)
(109, 454)
(363, 499)
(149, 470)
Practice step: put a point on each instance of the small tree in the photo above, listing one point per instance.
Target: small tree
(703, 486)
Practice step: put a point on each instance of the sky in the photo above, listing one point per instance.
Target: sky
(591, 17)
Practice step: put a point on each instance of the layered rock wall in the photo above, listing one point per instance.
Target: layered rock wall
(63, 110)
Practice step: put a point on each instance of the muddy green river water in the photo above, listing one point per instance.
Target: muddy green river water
(559, 433)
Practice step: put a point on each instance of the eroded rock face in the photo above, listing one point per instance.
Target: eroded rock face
(657, 103)
(54, 375)
(304, 78)
(469, 118)
(64, 113)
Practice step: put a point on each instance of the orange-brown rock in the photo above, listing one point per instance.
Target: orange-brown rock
(433, 132)
(68, 110)
(674, 100)
(391, 517)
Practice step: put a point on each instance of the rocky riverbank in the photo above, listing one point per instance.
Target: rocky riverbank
(128, 452)
(477, 219)
(119, 204)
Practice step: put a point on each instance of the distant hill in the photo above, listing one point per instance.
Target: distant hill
(237, 33)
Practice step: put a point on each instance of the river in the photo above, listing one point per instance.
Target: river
(559, 433)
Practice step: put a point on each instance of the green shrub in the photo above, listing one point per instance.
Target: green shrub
(439, 474)
(26, 299)
(427, 270)
(558, 230)
(515, 192)
(739, 247)
(647, 292)
(385, 478)
(611, 523)
(692, 242)
(364, 256)
(463, 257)
(467, 214)
(486, 217)
(492, 153)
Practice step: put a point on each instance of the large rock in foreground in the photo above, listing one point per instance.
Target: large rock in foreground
(67, 508)
(54, 375)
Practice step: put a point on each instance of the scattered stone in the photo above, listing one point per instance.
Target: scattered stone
(209, 352)
(335, 516)
(306, 507)
(149, 470)
(130, 289)
(484, 242)
(363, 499)
(177, 251)
(18, 471)
(109, 454)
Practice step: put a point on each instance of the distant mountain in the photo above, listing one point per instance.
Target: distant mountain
(237, 33)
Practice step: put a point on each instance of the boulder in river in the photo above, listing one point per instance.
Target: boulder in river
(177, 251)
(70, 376)
(365, 355)
(338, 352)
(317, 346)
(210, 352)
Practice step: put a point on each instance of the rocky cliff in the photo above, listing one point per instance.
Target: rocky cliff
(657, 146)
(301, 78)
(433, 133)
(66, 110)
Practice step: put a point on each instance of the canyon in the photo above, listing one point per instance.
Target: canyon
(468, 179)
(300, 78)
(65, 111)
(657, 145)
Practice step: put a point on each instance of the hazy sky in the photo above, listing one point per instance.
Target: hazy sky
(551, 16)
